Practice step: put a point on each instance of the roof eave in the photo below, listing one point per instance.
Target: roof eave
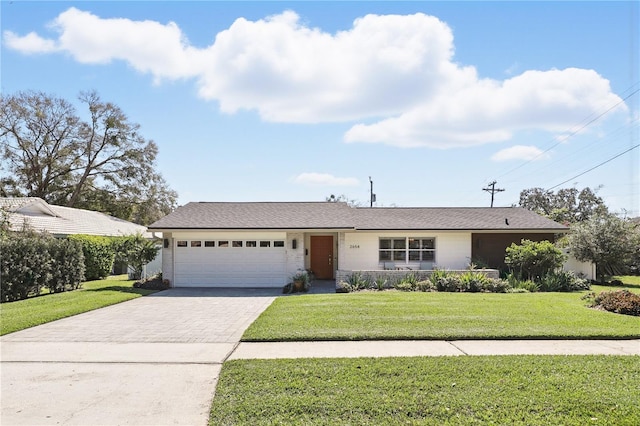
(188, 229)
(531, 230)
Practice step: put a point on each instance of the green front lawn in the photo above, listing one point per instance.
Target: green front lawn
(504, 390)
(407, 315)
(629, 280)
(15, 316)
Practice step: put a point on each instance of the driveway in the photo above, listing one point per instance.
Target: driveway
(153, 360)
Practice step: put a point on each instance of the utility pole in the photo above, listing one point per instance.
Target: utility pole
(372, 197)
(492, 189)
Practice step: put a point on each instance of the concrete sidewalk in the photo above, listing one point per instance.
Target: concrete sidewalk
(349, 349)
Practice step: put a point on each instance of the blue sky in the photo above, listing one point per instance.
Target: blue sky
(294, 101)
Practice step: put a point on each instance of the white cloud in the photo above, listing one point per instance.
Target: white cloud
(483, 111)
(31, 43)
(148, 46)
(325, 179)
(393, 74)
(519, 152)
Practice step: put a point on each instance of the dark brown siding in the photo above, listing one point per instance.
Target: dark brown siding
(489, 249)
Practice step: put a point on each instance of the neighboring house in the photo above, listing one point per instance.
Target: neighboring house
(37, 214)
(261, 244)
(60, 221)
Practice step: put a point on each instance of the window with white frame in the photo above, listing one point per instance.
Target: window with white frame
(407, 249)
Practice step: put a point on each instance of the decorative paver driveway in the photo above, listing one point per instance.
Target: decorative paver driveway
(173, 316)
(153, 360)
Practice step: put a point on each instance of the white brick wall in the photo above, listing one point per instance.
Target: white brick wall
(295, 257)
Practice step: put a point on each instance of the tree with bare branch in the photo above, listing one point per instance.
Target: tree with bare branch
(101, 164)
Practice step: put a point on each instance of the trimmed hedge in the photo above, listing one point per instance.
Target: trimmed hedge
(32, 262)
(99, 255)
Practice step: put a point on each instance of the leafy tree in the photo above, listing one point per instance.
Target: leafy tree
(606, 240)
(102, 164)
(342, 198)
(532, 260)
(566, 206)
(136, 251)
(39, 141)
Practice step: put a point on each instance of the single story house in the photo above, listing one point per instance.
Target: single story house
(262, 244)
(59, 221)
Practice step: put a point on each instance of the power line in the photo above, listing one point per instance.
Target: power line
(603, 145)
(573, 132)
(595, 167)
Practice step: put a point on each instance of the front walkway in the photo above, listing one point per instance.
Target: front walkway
(153, 360)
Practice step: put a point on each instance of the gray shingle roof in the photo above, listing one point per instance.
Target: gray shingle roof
(453, 218)
(60, 220)
(324, 215)
(258, 215)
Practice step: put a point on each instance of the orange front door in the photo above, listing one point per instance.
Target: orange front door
(322, 256)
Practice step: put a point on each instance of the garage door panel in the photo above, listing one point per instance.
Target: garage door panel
(229, 266)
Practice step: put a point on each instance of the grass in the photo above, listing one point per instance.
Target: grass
(628, 280)
(15, 316)
(399, 315)
(525, 390)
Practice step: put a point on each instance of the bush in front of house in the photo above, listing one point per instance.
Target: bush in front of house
(154, 282)
(473, 282)
(532, 260)
(357, 281)
(563, 281)
(439, 280)
(99, 255)
(31, 262)
(136, 251)
(446, 281)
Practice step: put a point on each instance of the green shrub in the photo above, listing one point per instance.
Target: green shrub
(446, 281)
(403, 286)
(426, 285)
(620, 302)
(528, 285)
(343, 287)
(67, 272)
(356, 281)
(532, 260)
(473, 282)
(563, 281)
(136, 251)
(496, 285)
(31, 262)
(98, 253)
(407, 283)
(25, 265)
(380, 283)
(154, 282)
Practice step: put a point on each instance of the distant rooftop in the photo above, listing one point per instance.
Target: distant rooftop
(58, 220)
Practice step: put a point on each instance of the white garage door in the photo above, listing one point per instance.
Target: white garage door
(229, 263)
